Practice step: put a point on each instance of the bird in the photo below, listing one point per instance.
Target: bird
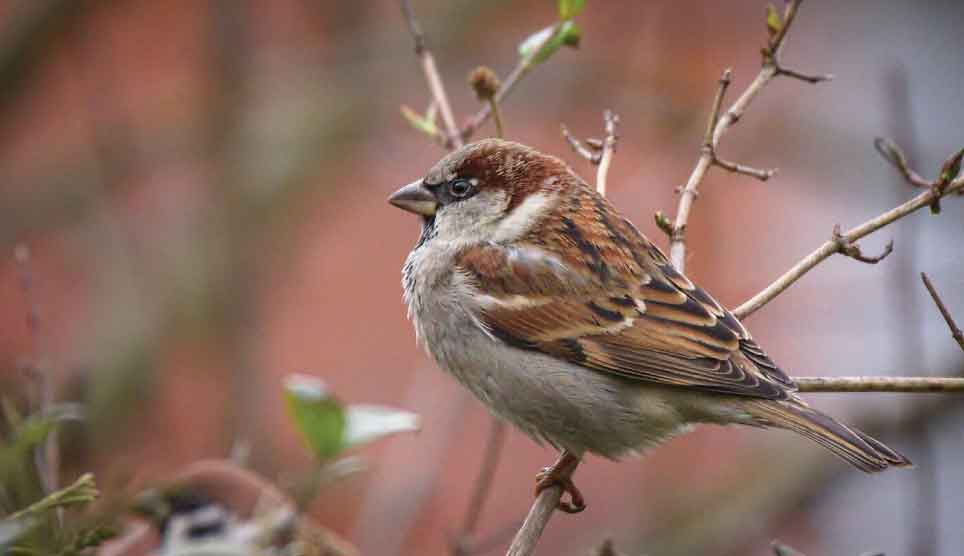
(559, 315)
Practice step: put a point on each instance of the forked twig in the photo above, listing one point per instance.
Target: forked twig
(848, 238)
(720, 123)
(453, 137)
(598, 152)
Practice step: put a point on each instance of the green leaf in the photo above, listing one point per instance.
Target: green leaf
(774, 22)
(329, 428)
(569, 9)
(367, 423)
(419, 122)
(318, 415)
(541, 45)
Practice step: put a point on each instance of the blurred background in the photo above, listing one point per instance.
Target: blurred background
(202, 187)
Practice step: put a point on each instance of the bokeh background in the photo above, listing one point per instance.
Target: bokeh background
(202, 187)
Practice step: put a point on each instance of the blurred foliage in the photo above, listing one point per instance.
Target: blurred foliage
(329, 427)
(35, 522)
(569, 9)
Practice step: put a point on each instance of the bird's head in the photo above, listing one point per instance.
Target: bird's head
(491, 190)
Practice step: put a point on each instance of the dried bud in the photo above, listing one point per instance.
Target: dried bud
(484, 82)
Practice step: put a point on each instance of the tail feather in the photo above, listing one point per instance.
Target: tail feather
(859, 449)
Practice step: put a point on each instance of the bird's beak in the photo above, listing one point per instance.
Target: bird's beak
(414, 197)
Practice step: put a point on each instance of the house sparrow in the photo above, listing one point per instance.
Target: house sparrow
(561, 317)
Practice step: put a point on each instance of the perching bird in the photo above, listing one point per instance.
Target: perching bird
(561, 317)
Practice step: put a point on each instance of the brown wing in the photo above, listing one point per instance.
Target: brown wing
(618, 306)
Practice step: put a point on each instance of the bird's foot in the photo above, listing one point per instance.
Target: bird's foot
(560, 474)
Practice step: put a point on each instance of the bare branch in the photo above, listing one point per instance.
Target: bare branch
(516, 75)
(812, 79)
(880, 384)
(432, 77)
(725, 81)
(833, 245)
(955, 331)
(577, 146)
(597, 152)
(894, 155)
(720, 124)
(548, 500)
(524, 543)
(853, 251)
(760, 174)
(608, 148)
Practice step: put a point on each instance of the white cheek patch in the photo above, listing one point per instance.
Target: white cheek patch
(522, 218)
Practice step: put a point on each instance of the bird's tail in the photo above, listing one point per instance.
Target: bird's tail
(859, 449)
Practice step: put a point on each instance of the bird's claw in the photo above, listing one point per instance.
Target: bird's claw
(550, 477)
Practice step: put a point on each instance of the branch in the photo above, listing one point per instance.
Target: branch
(524, 543)
(955, 331)
(915, 385)
(718, 125)
(548, 500)
(894, 155)
(598, 153)
(608, 148)
(840, 242)
(518, 72)
(453, 137)
(852, 250)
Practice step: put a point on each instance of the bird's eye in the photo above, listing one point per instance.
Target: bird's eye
(460, 188)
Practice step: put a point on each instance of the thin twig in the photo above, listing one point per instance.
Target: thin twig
(497, 117)
(955, 331)
(718, 125)
(524, 543)
(894, 155)
(905, 384)
(812, 79)
(598, 152)
(432, 76)
(833, 245)
(577, 145)
(518, 72)
(761, 174)
(483, 486)
(710, 146)
(608, 148)
(852, 250)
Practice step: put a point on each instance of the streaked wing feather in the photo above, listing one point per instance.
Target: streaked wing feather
(641, 320)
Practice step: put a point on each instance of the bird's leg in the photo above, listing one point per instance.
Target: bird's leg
(560, 474)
